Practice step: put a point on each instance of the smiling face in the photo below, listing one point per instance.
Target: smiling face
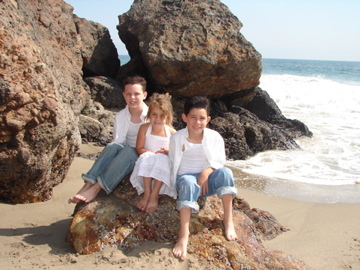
(157, 117)
(196, 121)
(134, 96)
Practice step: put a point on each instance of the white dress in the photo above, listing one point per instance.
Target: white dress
(153, 165)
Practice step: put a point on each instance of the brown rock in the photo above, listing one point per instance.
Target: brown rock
(189, 47)
(115, 221)
(43, 49)
(98, 51)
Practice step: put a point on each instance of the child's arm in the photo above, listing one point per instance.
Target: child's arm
(172, 130)
(166, 150)
(203, 180)
(140, 141)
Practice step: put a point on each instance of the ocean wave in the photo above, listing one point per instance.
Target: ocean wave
(329, 109)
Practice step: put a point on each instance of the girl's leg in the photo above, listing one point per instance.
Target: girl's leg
(146, 195)
(180, 249)
(230, 233)
(154, 196)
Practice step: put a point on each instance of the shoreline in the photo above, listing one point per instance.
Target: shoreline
(323, 235)
(305, 192)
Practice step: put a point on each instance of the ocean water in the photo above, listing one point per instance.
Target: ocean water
(325, 95)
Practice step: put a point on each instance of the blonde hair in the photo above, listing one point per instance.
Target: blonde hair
(163, 102)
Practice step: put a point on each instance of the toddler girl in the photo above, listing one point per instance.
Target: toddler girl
(151, 174)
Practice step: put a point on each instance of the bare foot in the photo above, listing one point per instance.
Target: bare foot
(74, 200)
(85, 187)
(180, 249)
(89, 194)
(153, 204)
(142, 204)
(230, 233)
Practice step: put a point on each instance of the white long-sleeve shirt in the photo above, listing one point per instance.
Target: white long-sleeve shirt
(213, 144)
(122, 123)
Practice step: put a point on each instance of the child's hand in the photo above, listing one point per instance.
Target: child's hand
(203, 181)
(164, 151)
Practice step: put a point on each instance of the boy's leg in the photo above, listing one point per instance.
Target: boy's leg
(221, 181)
(154, 196)
(188, 193)
(120, 166)
(89, 194)
(146, 195)
(101, 163)
(230, 233)
(85, 187)
(180, 249)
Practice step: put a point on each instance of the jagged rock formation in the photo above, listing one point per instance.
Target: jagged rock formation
(114, 220)
(43, 49)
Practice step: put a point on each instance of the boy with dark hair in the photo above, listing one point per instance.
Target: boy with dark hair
(198, 156)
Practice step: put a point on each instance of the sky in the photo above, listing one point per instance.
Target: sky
(283, 29)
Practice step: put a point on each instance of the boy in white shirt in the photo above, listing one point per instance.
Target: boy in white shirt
(118, 158)
(198, 157)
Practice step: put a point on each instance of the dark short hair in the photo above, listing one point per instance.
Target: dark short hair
(134, 80)
(199, 102)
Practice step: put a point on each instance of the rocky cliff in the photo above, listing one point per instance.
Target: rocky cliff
(44, 50)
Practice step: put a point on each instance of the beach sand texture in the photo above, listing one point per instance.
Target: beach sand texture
(32, 236)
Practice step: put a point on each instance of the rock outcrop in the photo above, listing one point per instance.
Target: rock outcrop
(43, 50)
(114, 220)
(188, 47)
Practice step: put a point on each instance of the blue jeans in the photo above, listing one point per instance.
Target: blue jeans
(113, 164)
(221, 182)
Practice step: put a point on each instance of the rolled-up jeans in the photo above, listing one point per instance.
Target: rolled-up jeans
(113, 164)
(221, 182)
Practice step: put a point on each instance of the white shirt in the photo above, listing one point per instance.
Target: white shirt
(155, 143)
(212, 143)
(193, 159)
(122, 123)
(131, 135)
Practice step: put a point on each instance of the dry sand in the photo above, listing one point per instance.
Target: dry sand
(32, 236)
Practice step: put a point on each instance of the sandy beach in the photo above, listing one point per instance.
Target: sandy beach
(32, 236)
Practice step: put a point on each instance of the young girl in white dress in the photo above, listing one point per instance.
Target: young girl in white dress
(151, 174)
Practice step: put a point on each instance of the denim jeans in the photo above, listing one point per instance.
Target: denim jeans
(113, 164)
(221, 182)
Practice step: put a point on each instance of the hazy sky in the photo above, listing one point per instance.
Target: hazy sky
(291, 29)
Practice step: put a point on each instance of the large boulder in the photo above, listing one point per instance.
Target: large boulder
(114, 220)
(100, 57)
(188, 48)
(42, 94)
